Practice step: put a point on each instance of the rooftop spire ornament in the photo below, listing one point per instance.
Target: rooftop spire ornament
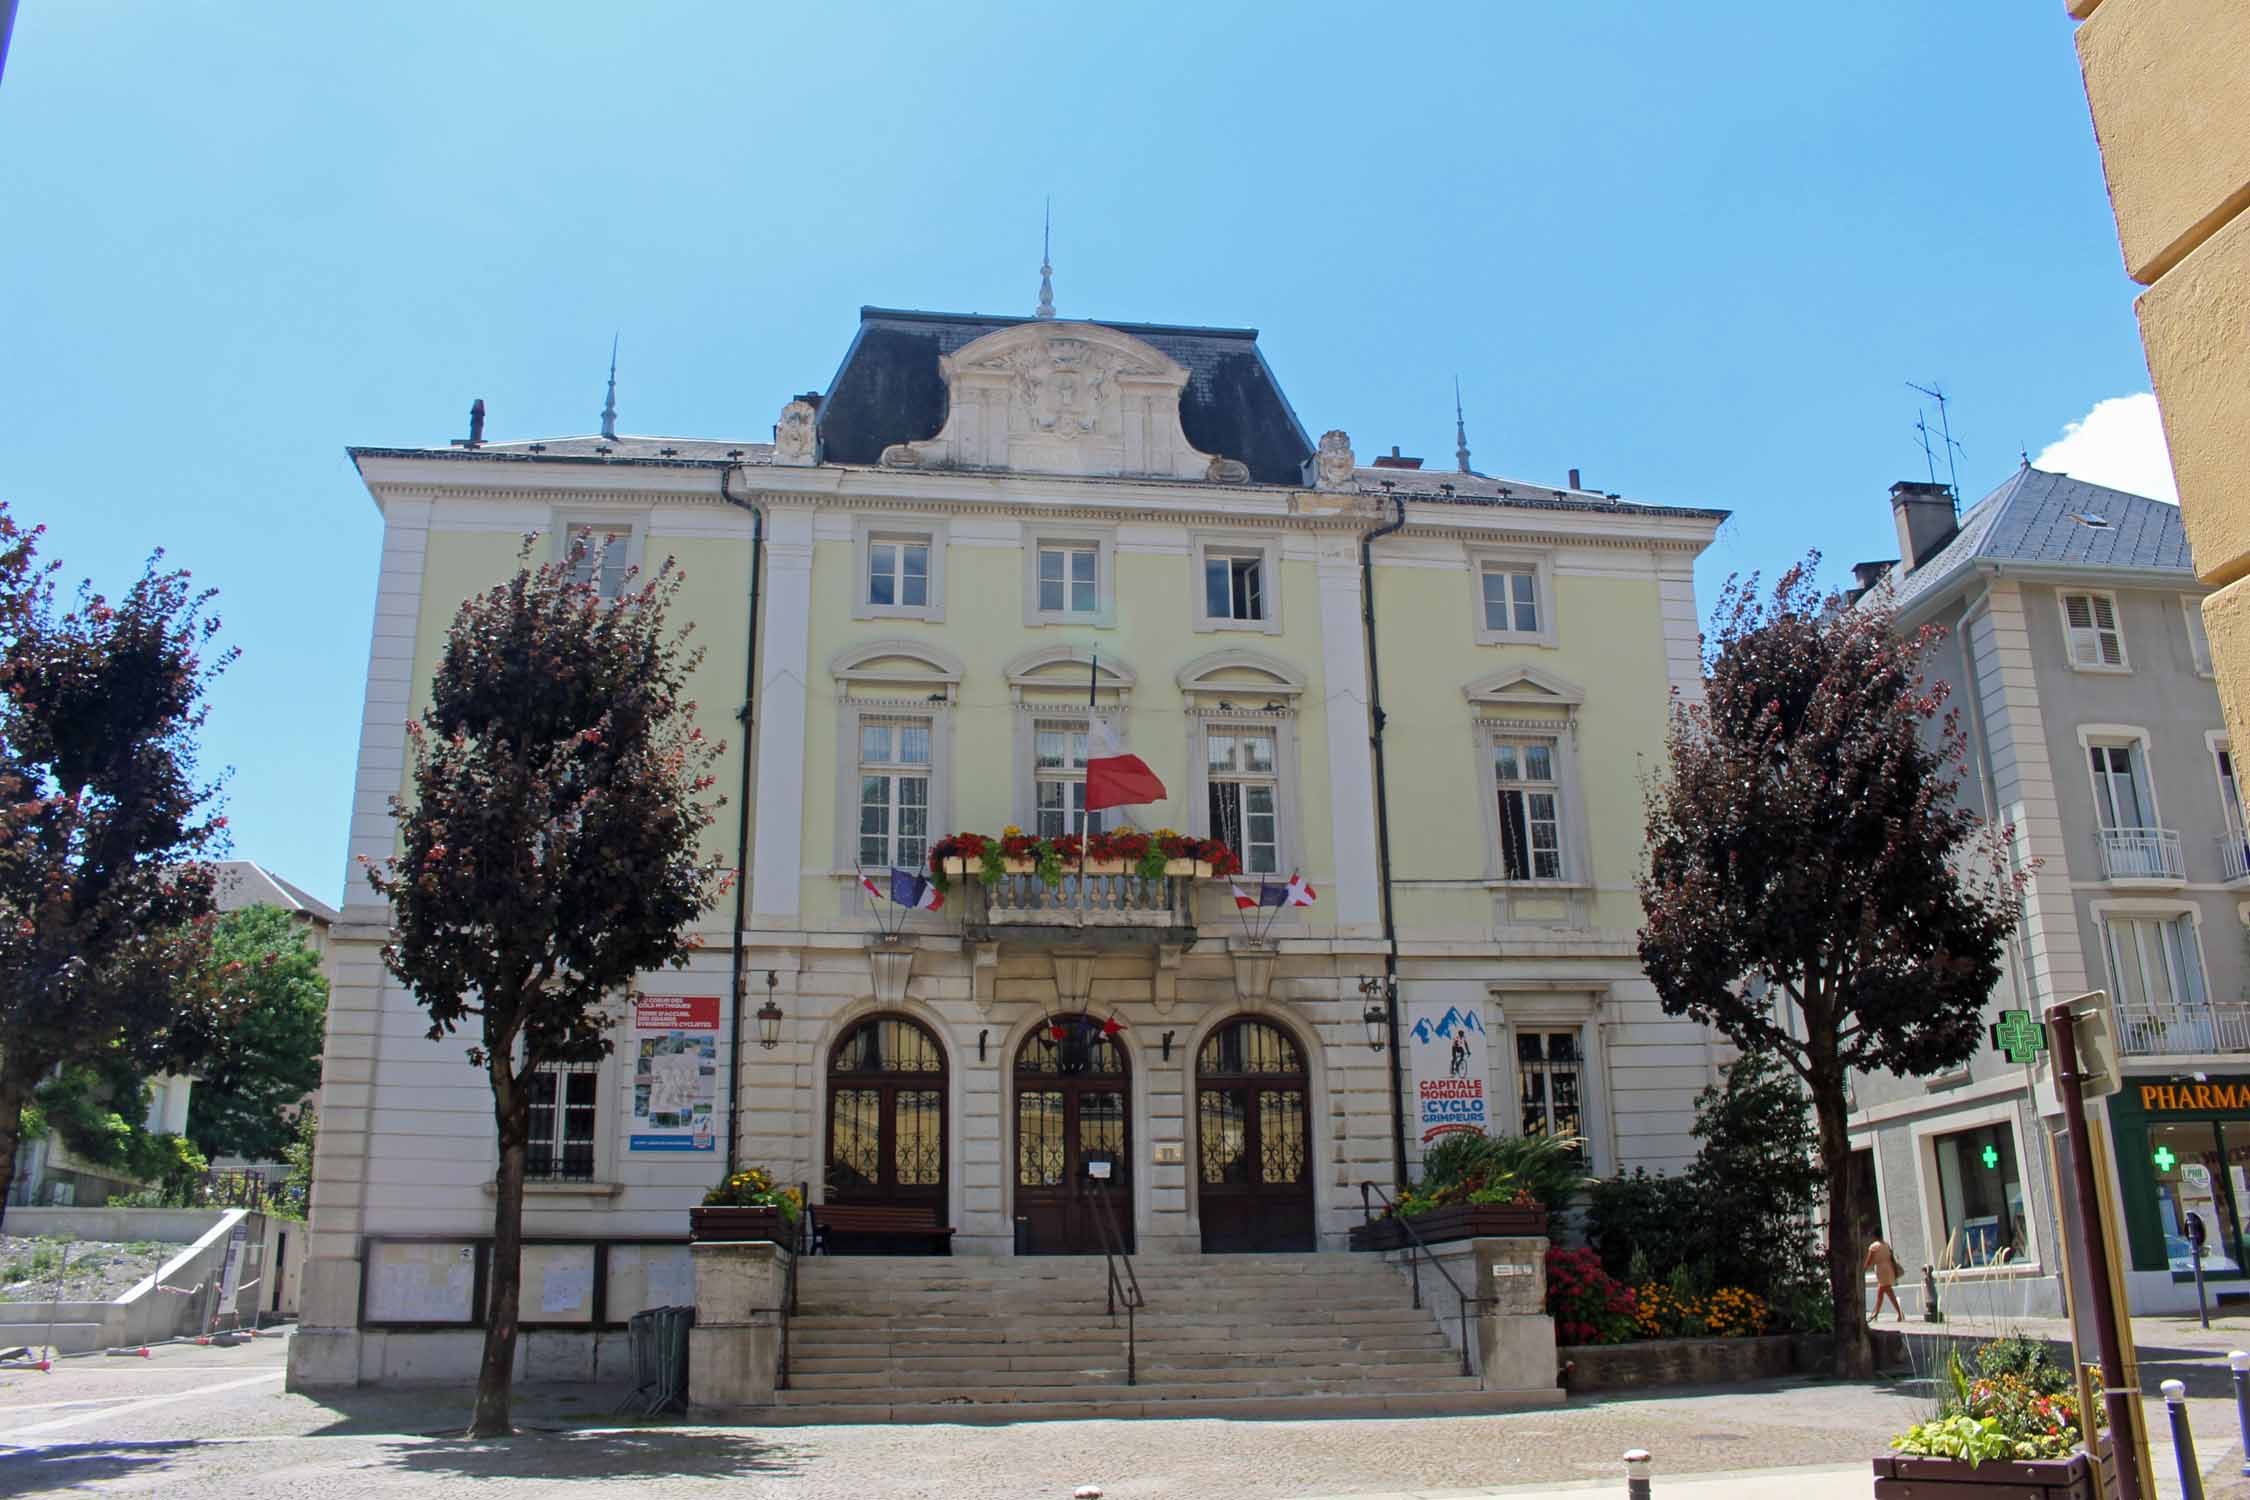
(1460, 431)
(1046, 308)
(609, 402)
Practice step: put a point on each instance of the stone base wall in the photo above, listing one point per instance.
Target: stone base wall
(1654, 1362)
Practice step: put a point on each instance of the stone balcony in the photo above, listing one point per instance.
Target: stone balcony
(1083, 910)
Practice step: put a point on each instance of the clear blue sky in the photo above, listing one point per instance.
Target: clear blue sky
(1694, 251)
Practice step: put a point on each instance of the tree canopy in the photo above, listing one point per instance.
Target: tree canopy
(246, 1096)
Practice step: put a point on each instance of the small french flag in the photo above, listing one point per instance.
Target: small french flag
(906, 889)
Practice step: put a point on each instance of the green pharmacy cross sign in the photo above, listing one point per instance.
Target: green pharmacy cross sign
(2164, 1159)
(1991, 1156)
(2018, 1036)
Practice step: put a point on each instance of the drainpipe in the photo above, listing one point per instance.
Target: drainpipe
(1383, 832)
(742, 820)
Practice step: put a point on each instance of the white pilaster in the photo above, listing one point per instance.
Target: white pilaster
(1351, 764)
(784, 635)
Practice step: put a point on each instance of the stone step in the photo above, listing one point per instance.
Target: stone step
(1025, 1325)
(1074, 1357)
(1131, 1402)
(1337, 1376)
(1411, 1341)
(826, 1305)
(1046, 1394)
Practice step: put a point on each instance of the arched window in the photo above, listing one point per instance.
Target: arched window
(886, 1115)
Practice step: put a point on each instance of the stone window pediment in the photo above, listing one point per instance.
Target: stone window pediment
(1517, 687)
(898, 669)
(1065, 669)
(1244, 679)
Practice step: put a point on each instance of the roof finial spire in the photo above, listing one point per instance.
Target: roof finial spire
(609, 403)
(1460, 431)
(1046, 307)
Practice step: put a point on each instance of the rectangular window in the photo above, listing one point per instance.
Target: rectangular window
(563, 1108)
(2230, 791)
(1530, 809)
(1067, 577)
(894, 794)
(2198, 1170)
(1234, 587)
(2199, 643)
(898, 572)
(2091, 623)
(2119, 797)
(1511, 599)
(1981, 1197)
(2155, 965)
(1059, 779)
(1245, 794)
(597, 557)
(1550, 1070)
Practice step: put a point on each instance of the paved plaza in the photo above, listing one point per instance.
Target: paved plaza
(193, 1422)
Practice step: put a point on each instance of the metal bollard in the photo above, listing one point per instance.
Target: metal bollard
(1930, 1311)
(2183, 1441)
(1636, 1474)
(2239, 1363)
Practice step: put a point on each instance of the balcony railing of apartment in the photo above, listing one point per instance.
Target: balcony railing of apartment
(2152, 1030)
(1080, 901)
(2142, 854)
(2234, 856)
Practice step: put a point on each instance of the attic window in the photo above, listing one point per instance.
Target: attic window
(2089, 519)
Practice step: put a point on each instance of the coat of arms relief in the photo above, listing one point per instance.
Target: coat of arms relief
(1064, 385)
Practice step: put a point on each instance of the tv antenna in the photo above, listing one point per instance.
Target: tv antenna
(1942, 438)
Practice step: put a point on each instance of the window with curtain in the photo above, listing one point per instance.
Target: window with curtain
(894, 794)
(1244, 790)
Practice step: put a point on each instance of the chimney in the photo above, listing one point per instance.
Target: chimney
(1866, 575)
(1574, 484)
(1392, 460)
(1926, 522)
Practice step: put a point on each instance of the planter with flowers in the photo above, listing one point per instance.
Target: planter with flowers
(750, 1205)
(2007, 1424)
(1124, 851)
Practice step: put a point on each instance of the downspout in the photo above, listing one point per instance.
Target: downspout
(1383, 833)
(742, 821)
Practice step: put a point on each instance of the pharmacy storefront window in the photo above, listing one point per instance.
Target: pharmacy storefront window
(1981, 1196)
(2183, 1154)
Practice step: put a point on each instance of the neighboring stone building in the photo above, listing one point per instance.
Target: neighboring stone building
(2076, 658)
(2169, 84)
(980, 524)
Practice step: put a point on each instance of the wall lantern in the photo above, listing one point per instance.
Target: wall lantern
(769, 1017)
(1376, 1017)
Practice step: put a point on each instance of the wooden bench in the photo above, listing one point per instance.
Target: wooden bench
(876, 1222)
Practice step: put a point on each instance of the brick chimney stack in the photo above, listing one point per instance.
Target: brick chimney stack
(1926, 522)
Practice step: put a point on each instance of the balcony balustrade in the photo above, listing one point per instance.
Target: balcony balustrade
(2159, 1030)
(1125, 908)
(2143, 854)
(2234, 856)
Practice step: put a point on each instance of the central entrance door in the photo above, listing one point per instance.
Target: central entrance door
(886, 1117)
(1252, 1140)
(1073, 1138)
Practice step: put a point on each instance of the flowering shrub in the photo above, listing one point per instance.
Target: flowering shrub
(1664, 1311)
(1587, 1304)
(2003, 1416)
(1732, 1312)
(1053, 859)
(755, 1188)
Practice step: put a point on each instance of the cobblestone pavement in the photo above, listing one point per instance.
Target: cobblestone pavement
(191, 1423)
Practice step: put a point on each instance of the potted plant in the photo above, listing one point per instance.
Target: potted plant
(750, 1205)
(1475, 1185)
(2007, 1424)
(1125, 851)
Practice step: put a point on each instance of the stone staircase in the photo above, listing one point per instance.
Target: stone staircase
(899, 1339)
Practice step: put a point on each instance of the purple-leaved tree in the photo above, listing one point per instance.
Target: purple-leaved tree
(105, 899)
(1815, 890)
(547, 854)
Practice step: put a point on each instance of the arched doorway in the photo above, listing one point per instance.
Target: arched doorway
(1074, 1092)
(886, 1116)
(1253, 1140)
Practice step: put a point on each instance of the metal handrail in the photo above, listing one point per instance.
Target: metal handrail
(1126, 1289)
(1418, 1249)
(799, 1241)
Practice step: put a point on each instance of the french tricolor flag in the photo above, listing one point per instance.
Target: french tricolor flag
(906, 889)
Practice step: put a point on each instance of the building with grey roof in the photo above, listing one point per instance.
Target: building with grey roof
(2075, 653)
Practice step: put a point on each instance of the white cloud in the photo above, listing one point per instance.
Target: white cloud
(2120, 443)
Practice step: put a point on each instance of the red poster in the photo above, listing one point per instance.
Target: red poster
(676, 1013)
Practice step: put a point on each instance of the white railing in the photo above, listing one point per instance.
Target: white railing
(2142, 854)
(2234, 856)
(2145, 1030)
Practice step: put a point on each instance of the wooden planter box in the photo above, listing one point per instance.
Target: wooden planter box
(1910, 1477)
(1191, 869)
(729, 1223)
(1462, 1221)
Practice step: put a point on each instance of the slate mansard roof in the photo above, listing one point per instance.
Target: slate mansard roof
(2051, 521)
(888, 389)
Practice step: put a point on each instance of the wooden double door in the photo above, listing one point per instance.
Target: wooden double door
(1253, 1140)
(886, 1117)
(1073, 1139)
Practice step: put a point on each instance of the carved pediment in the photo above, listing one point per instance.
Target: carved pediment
(1068, 669)
(1063, 398)
(898, 668)
(1248, 675)
(1524, 687)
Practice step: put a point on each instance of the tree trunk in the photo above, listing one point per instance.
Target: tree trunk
(1855, 1354)
(511, 1113)
(13, 1097)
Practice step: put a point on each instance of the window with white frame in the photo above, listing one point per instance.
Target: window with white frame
(2090, 626)
(563, 1108)
(1511, 598)
(2121, 799)
(596, 554)
(2199, 642)
(1530, 796)
(1234, 586)
(1058, 784)
(1243, 782)
(894, 793)
(1069, 578)
(898, 572)
(2155, 962)
(2230, 789)
(1550, 1079)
